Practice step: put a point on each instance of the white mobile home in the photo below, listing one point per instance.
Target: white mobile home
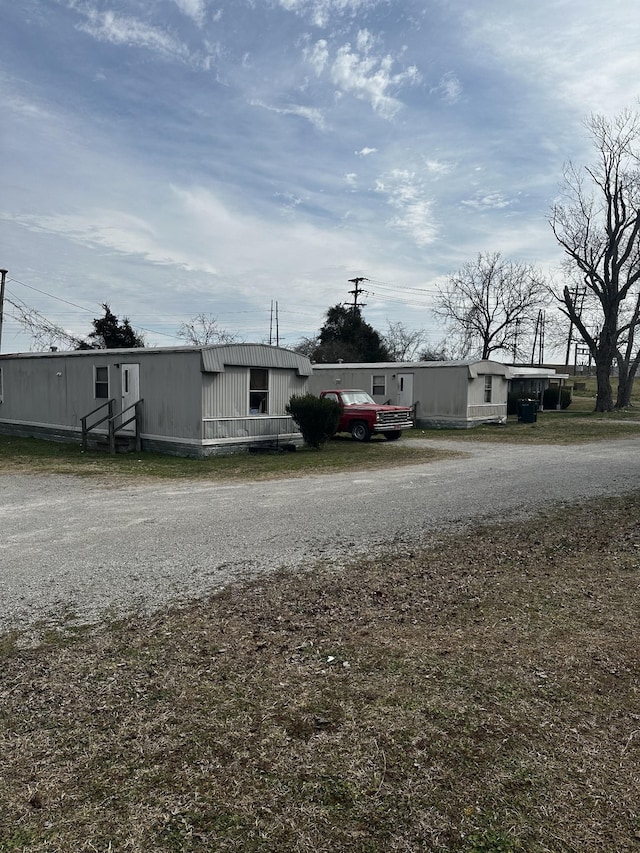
(191, 401)
(441, 393)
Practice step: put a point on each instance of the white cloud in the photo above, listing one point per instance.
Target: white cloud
(351, 179)
(311, 114)
(370, 77)
(487, 201)
(194, 9)
(437, 167)
(406, 195)
(317, 56)
(449, 88)
(117, 230)
(190, 226)
(589, 61)
(290, 201)
(130, 32)
(320, 12)
(365, 41)
(366, 152)
(25, 108)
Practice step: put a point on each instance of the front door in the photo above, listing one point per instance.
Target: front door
(130, 392)
(405, 389)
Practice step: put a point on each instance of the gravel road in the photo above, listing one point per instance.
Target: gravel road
(77, 547)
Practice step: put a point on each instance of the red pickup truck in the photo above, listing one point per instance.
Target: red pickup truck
(363, 417)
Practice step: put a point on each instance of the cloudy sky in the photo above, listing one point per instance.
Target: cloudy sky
(173, 157)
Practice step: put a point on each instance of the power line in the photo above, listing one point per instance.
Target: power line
(385, 284)
(51, 295)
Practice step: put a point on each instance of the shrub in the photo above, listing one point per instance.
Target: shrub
(550, 397)
(512, 401)
(317, 418)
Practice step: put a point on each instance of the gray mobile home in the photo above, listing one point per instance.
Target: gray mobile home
(441, 393)
(189, 401)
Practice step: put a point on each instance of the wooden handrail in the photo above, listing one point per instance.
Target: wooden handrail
(86, 429)
(111, 419)
(113, 429)
(101, 406)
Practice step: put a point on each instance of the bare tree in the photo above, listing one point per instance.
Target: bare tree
(108, 332)
(203, 330)
(404, 344)
(306, 346)
(490, 305)
(44, 333)
(597, 223)
(438, 352)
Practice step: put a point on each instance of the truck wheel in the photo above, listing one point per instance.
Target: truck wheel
(393, 436)
(360, 431)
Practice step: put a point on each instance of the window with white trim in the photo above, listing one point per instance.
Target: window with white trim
(488, 384)
(258, 391)
(379, 386)
(101, 382)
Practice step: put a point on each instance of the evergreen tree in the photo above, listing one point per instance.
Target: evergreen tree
(110, 333)
(346, 337)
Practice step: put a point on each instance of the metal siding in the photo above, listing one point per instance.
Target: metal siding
(57, 391)
(442, 391)
(262, 426)
(342, 377)
(170, 385)
(283, 385)
(216, 359)
(498, 390)
(488, 410)
(440, 388)
(226, 395)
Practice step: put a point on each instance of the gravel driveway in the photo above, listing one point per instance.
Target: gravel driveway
(73, 546)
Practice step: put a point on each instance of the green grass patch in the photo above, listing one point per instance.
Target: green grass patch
(473, 696)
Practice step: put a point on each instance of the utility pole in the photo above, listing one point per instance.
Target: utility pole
(3, 273)
(357, 290)
(578, 311)
(515, 339)
(271, 325)
(538, 339)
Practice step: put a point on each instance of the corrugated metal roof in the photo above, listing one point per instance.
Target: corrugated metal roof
(215, 358)
(474, 367)
(405, 365)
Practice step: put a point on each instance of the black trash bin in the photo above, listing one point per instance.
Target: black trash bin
(528, 411)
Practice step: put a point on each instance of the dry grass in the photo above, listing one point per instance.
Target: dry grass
(480, 695)
(568, 427)
(29, 456)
